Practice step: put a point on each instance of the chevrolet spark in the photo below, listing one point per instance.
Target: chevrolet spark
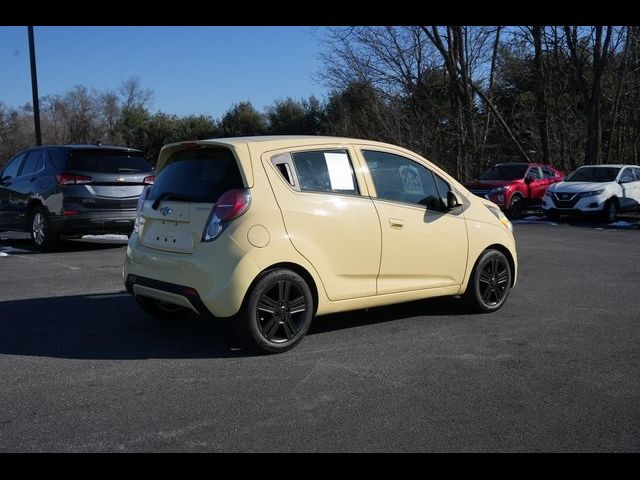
(272, 231)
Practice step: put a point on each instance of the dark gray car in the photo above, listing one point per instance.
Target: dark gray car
(72, 190)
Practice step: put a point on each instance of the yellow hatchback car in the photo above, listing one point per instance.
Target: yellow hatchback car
(274, 230)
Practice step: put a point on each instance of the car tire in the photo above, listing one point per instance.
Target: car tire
(162, 310)
(514, 211)
(42, 235)
(277, 312)
(490, 282)
(610, 211)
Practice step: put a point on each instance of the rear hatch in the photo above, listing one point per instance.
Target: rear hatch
(102, 179)
(185, 191)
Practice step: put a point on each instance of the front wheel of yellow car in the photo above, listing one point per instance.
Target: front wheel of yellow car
(490, 282)
(277, 312)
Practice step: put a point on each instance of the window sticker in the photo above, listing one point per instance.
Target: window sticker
(411, 179)
(339, 171)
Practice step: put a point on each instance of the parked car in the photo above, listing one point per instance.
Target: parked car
(72, 190)
(274, 230)
(515, 187)
(603, 190)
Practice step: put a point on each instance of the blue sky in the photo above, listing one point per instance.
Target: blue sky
(191, 70)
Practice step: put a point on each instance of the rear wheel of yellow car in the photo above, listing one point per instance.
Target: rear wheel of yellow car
(490, 282)
(277, 312)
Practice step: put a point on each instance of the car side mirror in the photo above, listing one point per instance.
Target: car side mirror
(626, 179)
(452, 200)
(528, 180)
(5, 178)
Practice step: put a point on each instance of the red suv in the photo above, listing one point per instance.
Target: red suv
(515, 186)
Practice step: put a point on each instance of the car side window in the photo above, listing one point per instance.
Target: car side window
(534, 172)
(33, 163)
(443, 188)
(328, 171)
(548, 173)
(57, 158)
(624, 173)
(399, 179)
(12, 168)
(637, 172)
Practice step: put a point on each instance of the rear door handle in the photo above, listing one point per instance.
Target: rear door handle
(396, 223)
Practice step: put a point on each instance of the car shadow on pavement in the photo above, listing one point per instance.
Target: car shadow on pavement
(108, 326)
(111, 326)
(443, 306)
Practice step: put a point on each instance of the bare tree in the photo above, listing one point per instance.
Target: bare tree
(590, 52)
(133, 95)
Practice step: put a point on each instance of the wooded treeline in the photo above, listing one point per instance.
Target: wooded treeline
(464, 97)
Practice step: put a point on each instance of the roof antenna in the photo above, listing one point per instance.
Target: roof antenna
(98, 143)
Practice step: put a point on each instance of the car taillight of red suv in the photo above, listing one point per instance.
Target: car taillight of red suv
(515, 187)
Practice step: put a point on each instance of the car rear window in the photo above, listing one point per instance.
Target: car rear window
(107, 161)
(199, 174)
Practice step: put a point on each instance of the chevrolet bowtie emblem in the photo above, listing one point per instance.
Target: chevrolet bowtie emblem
(120, 179)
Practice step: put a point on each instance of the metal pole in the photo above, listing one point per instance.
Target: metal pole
(34, 87)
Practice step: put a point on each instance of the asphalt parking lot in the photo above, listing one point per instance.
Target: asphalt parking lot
(557, 369)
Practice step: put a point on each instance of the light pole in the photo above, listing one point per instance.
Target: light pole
(34, 87)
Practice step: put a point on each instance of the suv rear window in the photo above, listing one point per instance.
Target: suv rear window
(202, 175)
(107, 161)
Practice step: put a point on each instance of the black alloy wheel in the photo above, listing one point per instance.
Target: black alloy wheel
(490, 282)
(281, 311)
(277, 312)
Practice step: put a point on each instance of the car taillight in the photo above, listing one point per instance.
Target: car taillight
(143, 198)
(149, 180)
(72, 179)
(229, 206)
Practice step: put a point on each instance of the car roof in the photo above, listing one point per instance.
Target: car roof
(300, 139)
(615, 165)
(257, 145)
(91, 147)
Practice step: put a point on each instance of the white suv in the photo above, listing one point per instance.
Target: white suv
(595, 189)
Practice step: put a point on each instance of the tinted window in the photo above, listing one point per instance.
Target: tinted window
(534, 172)
(325, 171)
(33, 163)
(11, 170)
(548, 173)
(107, 161)
(402, 180)
(627, 172)
(58, 157)
(201, 174)
(637, 172)
(593, 174)
(511, 171)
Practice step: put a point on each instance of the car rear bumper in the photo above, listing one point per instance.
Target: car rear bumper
(219, 272)
(94, 223)
(165, 291)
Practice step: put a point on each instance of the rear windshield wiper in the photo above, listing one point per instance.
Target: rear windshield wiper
(171, 195)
